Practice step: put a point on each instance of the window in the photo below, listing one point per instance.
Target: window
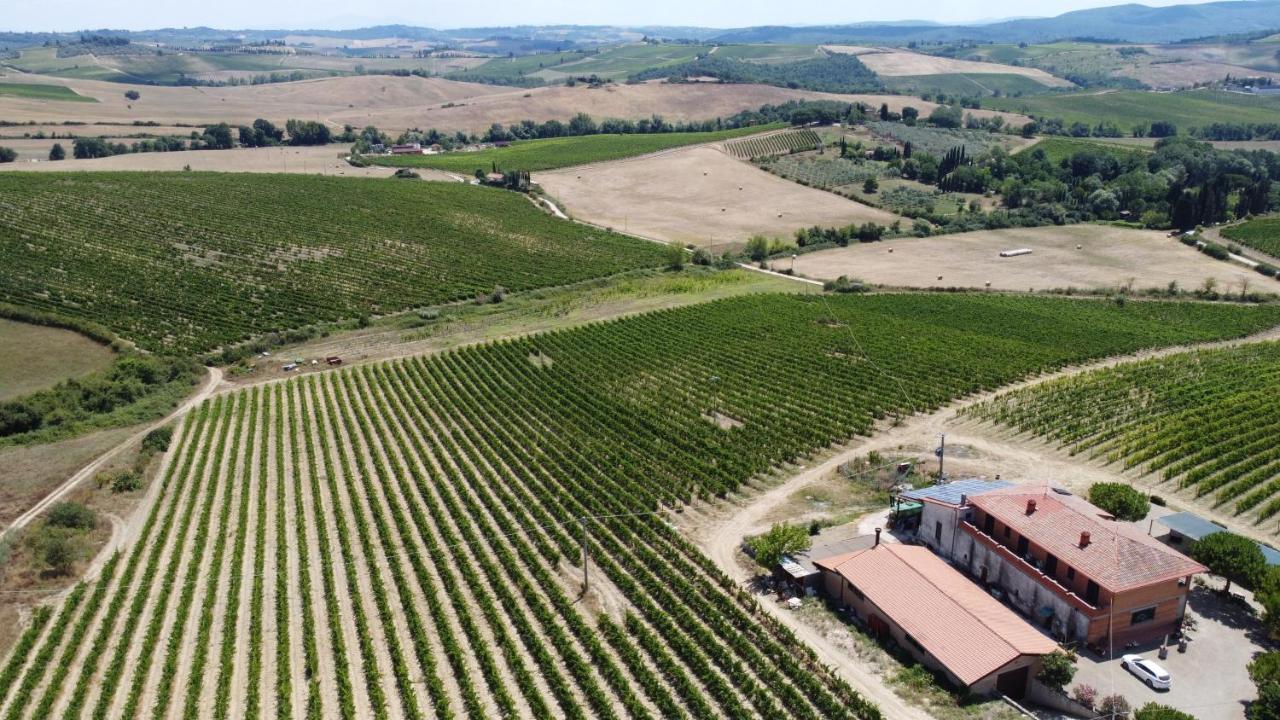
(937, 531)
(1142, 616)
(1071, 573)
(1091, 593)
(1050, 565)
(988, 524)
(1023, 545)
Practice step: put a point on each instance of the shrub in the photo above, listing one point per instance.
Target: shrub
(132, 95)
(1057, 670)
(1120, 500)
(406, 174)
(71, 515)
(702, 256)
(8, 155)
(915, 677)
(58, 551)
(843, 284)
(57, 152)
(1115, 706)
(1156, 711)
(119, 480)
(1086, 695)
(758, 247)
(157, 441)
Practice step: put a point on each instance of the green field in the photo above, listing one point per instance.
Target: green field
(552, 153)
(36, 91)
(1057, 148)
(189, 262)
(1127, 108)
(362, 519)
(1203, 422)
(37, 356)
(960, 85)
(1261, 234)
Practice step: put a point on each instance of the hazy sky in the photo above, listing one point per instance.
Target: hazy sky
(22, 15)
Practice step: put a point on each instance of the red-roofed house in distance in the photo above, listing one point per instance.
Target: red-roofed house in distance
(1072, 567)
(949, 624)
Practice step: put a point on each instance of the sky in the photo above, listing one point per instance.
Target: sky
(67, 15)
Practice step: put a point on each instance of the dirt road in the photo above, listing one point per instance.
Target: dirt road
(88, 471)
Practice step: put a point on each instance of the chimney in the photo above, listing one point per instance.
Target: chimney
(1084, 538)
(877, 538)
(964, 501)
(1031, 505)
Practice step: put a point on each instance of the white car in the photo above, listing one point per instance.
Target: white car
(1155, 677)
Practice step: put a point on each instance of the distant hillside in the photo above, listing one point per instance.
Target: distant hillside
(1125, 23)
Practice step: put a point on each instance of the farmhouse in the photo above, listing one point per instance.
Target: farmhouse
(939, 510)
(908, 594)
(1072, 567)
(408, 149)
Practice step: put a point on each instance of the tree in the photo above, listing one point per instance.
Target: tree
(1057, 669)
(1267, 706)
(1268, 595)
(1236, 558)
(781, 539)
(1114, 706)
(675, 256)
(218, 137)
(1265, 668)
(8, 155)
(132, 95)
(1120, 500)
(308, 132)
(1156, 711)
(870, 186)
(57, 152)
(758, 247)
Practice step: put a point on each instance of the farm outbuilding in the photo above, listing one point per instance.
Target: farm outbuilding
(907, 594)
(1186, 529)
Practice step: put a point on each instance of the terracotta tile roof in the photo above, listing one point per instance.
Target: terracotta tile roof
(1118, 557)
(956, 621)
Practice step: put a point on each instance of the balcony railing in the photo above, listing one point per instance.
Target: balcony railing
(1046, 581)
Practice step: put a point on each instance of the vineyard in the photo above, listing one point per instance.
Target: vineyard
(1261, 234)
(552, 153)
(186, 262)
(776, 144)
(402, 540)
(1202, 422)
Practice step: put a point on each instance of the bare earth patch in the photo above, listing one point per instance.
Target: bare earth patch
(698, 195)
(722, 421)
(1108, 257)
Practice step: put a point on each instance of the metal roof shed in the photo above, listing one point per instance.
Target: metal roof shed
(1193, 527)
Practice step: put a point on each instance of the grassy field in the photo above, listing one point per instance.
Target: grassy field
(36, 357)
(36, 91)
(254, 254)
(552, 153)
(1261, 234)
(1204, 426)
(965, 85)
(1126, 108)
(1057, 149)
(260, 582)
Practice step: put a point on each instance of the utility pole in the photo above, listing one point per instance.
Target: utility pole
(942, 456)
(715, 389)
(583, 522)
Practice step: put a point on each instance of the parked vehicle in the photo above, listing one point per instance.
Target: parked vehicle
(1155, 677)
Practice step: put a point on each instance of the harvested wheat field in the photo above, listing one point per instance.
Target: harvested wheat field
(895, 63)
(700, 196)
(1108, 257)
(397, 103)
(321, 160)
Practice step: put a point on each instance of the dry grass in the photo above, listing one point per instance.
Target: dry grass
(698, 195)
(27, 474)
(894, 63)
(1109, 257)
(36, 357)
